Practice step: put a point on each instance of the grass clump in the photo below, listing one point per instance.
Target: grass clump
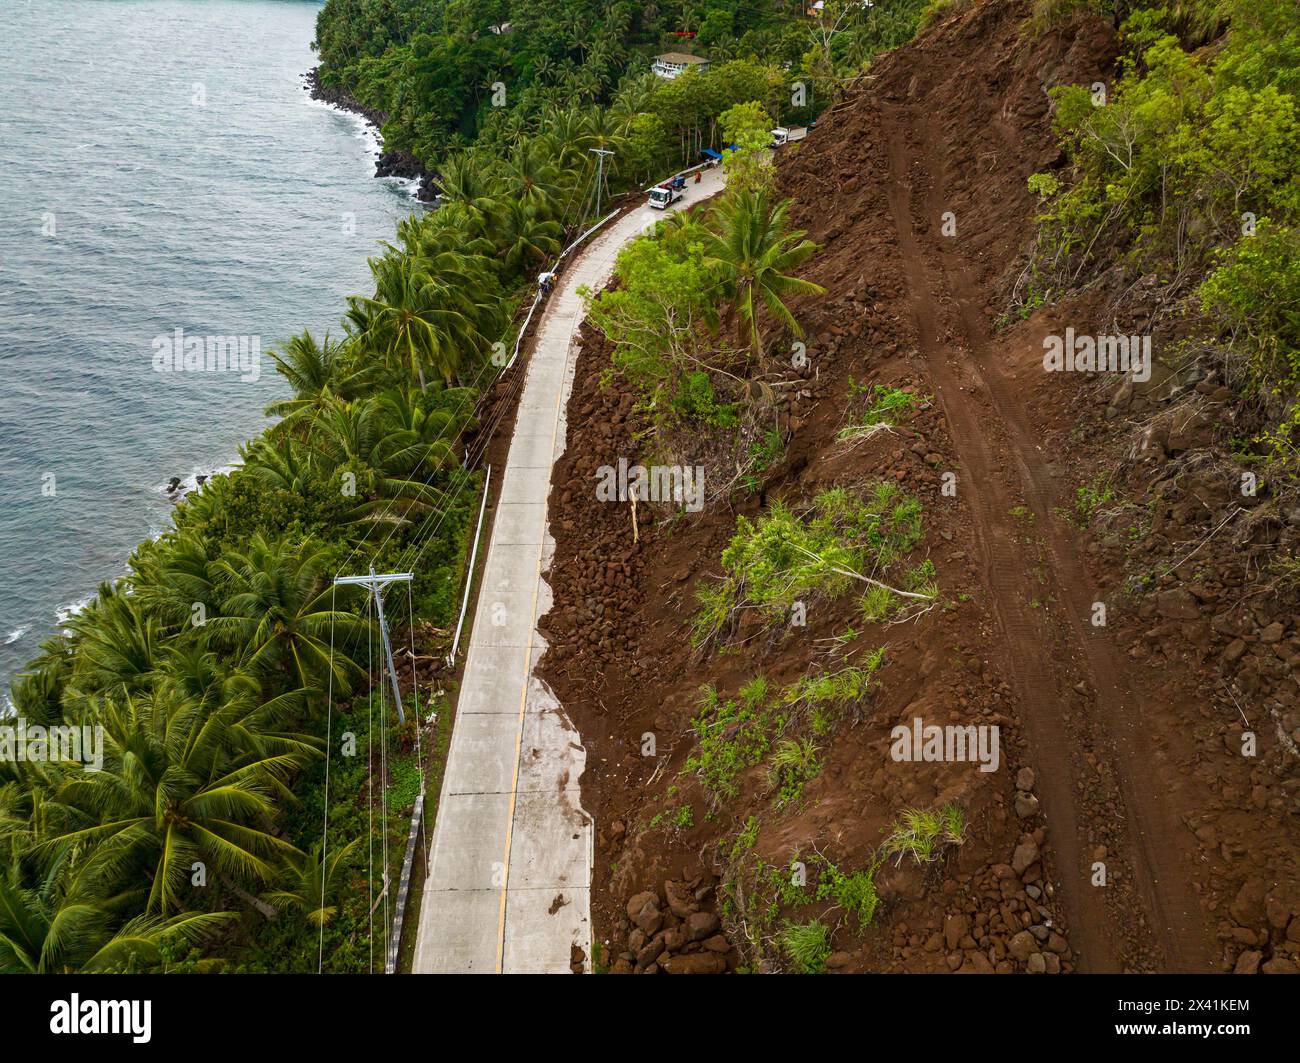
(1049, 13)
(855, 892)
(759, 897)
(793, 763)
(1089, 498)
(764, 454)
(732, 735)
(738, 733)
(807, 946)
(925, 834)
(846, 688)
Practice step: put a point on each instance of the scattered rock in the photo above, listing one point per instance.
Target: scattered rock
(700, 925)
(955, 927)
(1022, 946)
(696, 963)
(1025, 856)
(1026, 805)
(1248, 963)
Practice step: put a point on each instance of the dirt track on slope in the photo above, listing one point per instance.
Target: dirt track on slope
(1024, 630)
(983, 414)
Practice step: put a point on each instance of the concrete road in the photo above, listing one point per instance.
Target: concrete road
(508, 888)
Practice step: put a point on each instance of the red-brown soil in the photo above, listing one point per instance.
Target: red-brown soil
(1120, 749)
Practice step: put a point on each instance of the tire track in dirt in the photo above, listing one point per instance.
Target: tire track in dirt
(1027, 643)
(1116, 724)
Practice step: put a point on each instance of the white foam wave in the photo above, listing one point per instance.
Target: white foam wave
(373, 141)
(66, 612)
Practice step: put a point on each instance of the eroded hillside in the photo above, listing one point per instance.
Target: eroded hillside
(1123, 828)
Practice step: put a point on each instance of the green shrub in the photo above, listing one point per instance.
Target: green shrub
(1255, 289)
(855, 893)
(731, 735)
(696, 400)
(785, 557)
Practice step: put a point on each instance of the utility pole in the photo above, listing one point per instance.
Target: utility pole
(376, 584)
(600, 179)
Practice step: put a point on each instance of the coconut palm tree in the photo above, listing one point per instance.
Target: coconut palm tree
(412, 319)
(275, 606)
(464, 180)
(173, 576)
(601, 130)
(309, 882)
(393, 450)
(565, 128)
(527, 240)
(751, 253)
(44, 931)
(284, 465)
(313, 370)
(443, 232)
(530, 178)
(118, 643)
(37, 691)
(169, 800)
(634, 97)
(409, 425)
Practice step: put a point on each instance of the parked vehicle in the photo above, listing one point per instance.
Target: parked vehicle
(788, 134)
(662, 196)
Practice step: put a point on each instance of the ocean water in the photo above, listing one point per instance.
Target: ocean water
(161, 168)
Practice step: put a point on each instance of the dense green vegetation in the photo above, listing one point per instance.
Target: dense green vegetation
(691, 277)
(1186, 172)
(451, 74)
(687, 318)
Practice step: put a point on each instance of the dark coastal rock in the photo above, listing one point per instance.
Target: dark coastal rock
(390, 163)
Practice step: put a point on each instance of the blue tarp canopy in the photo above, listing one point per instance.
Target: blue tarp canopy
(710, 153)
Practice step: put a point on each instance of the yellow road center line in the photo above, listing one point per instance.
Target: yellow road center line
(528, 652)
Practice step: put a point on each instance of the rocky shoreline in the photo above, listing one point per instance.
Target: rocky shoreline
(390, 163)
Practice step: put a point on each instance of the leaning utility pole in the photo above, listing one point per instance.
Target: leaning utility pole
(600, 179)
(376, 584)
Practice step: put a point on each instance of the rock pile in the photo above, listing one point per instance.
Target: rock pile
(672, 931)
